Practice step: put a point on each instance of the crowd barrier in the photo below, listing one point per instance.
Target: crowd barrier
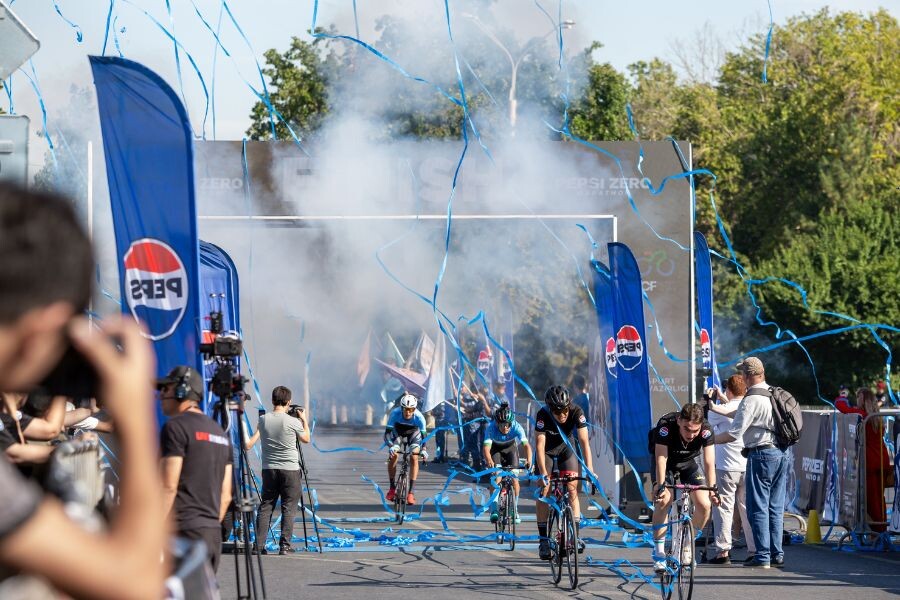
(830, 475)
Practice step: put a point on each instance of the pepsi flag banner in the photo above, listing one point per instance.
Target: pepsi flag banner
(703, 271)
(605, 404)
(149, 165)
(632, 373)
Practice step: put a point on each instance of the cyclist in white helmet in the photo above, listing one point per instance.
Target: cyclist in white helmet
(405, 423)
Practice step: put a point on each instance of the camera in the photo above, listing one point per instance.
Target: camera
(223, 346)
(295, 410)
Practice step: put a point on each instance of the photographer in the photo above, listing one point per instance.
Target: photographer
(281, 432)
(45, 281)
(196, 462)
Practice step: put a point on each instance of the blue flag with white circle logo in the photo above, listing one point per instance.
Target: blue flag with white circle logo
(703, 270)
(632, 372)
(147, 142)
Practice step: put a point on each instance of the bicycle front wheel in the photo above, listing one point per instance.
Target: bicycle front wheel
(554, 536)
(571, 546)
(686, 561)
(510, 518)
(400, 498)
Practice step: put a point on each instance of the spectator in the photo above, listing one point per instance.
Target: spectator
(582, 400)
(281, 432)
(474, 407)
(842, 402)
(446, 423)
(730, 471)
(196, 462)
(879, 472)
(45, 280)
(767, 465)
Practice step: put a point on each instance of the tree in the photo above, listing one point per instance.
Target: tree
(600, 112)
(298, 90)
(807, 167)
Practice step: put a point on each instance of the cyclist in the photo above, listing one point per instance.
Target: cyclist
(559, 427)
(405, 424)
(501, 448)
(678, 440)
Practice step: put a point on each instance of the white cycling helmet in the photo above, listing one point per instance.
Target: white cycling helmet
(408, 401)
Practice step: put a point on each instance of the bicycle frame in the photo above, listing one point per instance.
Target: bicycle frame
(681, 548)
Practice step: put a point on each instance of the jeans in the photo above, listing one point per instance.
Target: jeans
(767, 473)
(732, 494)
(278, 483)
(473, 437)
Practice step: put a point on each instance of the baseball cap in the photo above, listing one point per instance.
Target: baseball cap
(190, 376)
(751, 366)
(881, 387)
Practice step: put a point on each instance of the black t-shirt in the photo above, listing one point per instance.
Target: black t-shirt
(680, 453)
(206, 451)
(546, 424)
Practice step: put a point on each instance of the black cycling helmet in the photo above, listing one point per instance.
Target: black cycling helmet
(557, 397)
(503, 414)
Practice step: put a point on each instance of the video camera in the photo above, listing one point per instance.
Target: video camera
(225, 350)
(295, 410)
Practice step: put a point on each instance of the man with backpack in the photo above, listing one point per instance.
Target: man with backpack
(767, 422)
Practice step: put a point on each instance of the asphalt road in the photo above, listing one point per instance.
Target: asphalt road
(368, 555)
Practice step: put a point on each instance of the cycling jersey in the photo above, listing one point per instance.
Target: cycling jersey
(554, 444)
(412, 429)
(504, 447)
(682, 454)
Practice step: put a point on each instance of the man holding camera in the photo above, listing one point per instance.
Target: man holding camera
(281, 432)
(45, 282)
(196, 462)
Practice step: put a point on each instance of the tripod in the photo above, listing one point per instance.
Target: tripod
(242, 507)
(304, 483)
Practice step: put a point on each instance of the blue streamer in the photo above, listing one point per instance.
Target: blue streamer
(79, 36)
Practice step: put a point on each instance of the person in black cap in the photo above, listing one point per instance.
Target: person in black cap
(196, 462)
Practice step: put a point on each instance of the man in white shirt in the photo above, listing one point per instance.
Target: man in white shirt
(767, 465)
(730, 468)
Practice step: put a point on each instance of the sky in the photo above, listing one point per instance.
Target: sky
(629, 31)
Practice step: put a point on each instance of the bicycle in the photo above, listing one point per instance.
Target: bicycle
(506, 509)
(680, 542)
(562, 531)
(402, 483)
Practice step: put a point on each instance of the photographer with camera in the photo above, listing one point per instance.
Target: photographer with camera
(45, 282)
(196, 462)
(281, 432)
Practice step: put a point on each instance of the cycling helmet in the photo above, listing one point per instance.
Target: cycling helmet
(557, 397)
(408, 401)
(503, 414)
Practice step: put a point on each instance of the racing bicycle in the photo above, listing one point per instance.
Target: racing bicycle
(680, 543)
(506, 509)
(562, 530)
(402, 482)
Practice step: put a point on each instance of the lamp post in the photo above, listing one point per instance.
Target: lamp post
(515, 62)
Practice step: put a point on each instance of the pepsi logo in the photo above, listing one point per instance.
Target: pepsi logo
(629, 347)
(485, 359)
(706, 433)
(581, 419)
(663, 431)
(705, 347)
(611, 356)
(539, 424)
(157, 286)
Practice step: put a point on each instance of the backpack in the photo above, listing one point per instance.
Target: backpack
(668, 419)
(786, 414)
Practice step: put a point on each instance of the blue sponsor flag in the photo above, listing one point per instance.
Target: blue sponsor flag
(703, 270)
(632, 374)
(606, 410)
(149, 165)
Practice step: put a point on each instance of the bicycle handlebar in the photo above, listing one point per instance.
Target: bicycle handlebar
(691, 488)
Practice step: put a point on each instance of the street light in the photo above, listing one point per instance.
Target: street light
(515, 62)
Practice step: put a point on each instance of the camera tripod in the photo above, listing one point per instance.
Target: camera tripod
(304, 483)
(243, 506)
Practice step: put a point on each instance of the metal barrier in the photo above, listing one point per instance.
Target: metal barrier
(75, 475)
(863, 533)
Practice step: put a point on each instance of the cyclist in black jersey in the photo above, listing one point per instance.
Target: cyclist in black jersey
(678, 443)
(559, 428)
